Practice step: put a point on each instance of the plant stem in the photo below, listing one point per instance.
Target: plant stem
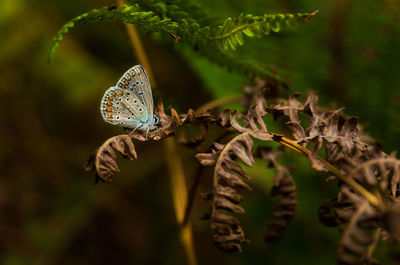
(371, 198)
(138, 48)
(174, 163)
(179, 196)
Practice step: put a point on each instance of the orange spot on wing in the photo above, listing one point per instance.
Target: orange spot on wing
(113, 94)
(120, 93)
(110, 117)
(126, 83)
(109, 103)
(108, 109)
(110, 98)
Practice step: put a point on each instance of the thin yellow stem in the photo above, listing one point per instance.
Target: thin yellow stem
(174, 163)
(138, 48)
(179, 196)
(371, 198)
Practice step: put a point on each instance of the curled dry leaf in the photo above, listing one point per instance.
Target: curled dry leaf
(226, 231)
(359, 236)
(326, 214)
(284, 186)
(104, 159)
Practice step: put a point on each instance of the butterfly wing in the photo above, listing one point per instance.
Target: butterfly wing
(135, 80)
(123, 107)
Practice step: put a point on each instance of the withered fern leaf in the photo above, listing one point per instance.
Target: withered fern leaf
(361, 234)
(228, 176)
(285, 187)
(104, 159)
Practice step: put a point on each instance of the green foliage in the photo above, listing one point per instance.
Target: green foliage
(129, 14)
(215, 42)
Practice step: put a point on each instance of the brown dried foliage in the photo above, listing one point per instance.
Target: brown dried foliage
(361, 233)
(228, 176)
(104, 159)
(285, 187)
(341, 138)
(366, 206)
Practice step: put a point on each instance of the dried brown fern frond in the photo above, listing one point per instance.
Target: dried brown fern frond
(374, 168)
(360, 235)
(228, 176)
(104, 159)
(329, 129)
(285, 187)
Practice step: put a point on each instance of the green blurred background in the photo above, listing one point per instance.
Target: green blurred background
(50, 210)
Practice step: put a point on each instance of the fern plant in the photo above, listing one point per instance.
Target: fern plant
(213, 41)
(366, 206)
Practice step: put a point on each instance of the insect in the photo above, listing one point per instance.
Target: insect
(130, 102)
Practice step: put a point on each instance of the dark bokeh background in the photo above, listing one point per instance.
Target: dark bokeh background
(50, 210)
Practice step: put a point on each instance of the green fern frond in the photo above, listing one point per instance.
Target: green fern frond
(230, 34)
(129, 14)
(214, 42)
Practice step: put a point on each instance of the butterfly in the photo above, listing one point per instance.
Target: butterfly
(130, 102)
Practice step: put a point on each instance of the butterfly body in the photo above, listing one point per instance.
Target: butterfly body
(130, 102)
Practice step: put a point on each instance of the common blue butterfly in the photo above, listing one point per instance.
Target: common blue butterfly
(130, 102)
